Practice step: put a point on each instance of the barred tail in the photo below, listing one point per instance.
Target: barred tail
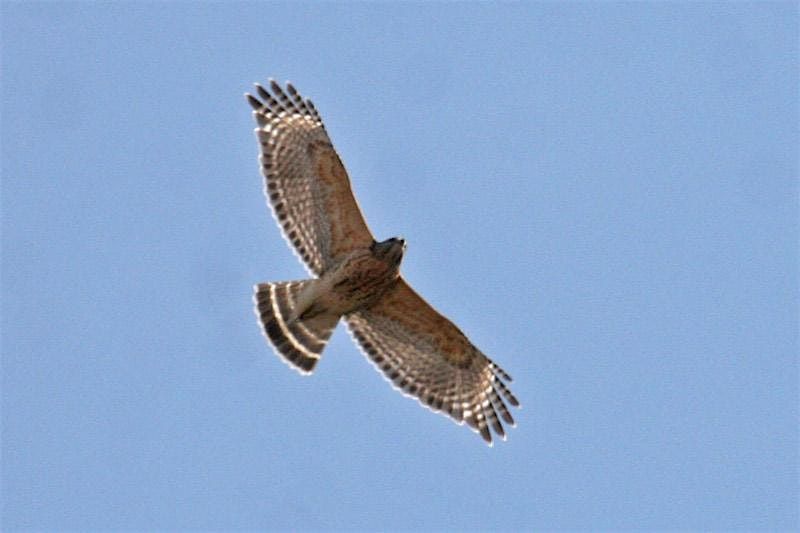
(300, 341)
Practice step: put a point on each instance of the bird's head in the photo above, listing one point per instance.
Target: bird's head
(390, 250)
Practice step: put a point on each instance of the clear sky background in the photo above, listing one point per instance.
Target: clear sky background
(602, 196)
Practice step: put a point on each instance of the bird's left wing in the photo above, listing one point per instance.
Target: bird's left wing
(305, 181)
(426, 356)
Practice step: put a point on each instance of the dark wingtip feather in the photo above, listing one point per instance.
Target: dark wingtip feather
(262, 92)
(494, 420)
(499, 372)
(486, 434)
(507, 393)
(254, 102)
(276, 89)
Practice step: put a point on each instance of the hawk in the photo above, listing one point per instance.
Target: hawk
(358, 279)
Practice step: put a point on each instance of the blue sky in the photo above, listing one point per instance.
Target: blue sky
(602, 196)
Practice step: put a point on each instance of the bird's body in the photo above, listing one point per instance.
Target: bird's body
(357, 278)
(360, 279)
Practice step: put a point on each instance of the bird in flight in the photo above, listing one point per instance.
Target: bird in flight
(357, 278)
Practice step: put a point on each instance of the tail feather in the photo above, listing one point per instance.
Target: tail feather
(298, 341)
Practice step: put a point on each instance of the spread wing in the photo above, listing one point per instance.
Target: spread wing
(305, 181)
(426, 356)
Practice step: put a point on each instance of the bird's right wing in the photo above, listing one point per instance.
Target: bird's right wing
(426, 356)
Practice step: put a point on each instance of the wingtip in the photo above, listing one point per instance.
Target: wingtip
(254, 102)
(262, 92)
